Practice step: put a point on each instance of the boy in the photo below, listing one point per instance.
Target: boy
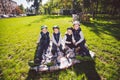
(56, 40)
(79, 38)
(69, 39)
(43, 44)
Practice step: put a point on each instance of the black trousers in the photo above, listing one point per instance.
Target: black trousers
(83, 49)
(54, 48)
(70, 45)
(41, 48)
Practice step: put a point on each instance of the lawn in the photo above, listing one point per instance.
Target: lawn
(18, 38)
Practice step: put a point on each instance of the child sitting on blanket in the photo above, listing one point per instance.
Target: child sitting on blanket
(79, 38)
(69, 39)
(43, 44)
(56, 40)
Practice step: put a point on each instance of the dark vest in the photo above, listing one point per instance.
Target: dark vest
(45, 39)
(69, 38)
(76, 34)
(56, 36)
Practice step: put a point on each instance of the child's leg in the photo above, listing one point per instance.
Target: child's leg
(38, 56)
(45, 47)
(60, 48)
(84, 49)
(54, 49)
(70, 46)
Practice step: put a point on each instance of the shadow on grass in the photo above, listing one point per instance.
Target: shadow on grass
(87, 68)
(106, 28)
(108, 18)
(33, 75)
(45, 17)
(1, 75)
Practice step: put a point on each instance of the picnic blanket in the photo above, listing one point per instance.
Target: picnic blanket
(58, 61)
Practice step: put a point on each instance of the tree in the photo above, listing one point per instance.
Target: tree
(36, 4)
(18, 10)
(94, 6)
(22, 8)
(55, 5)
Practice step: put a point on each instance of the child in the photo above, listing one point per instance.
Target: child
(43, 44)
(56, 40)
(79, 38)
(69, 39)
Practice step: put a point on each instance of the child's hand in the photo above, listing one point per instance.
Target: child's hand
(69, 42)
(76, 44)
(58, 45)
(74, 41)
(37, 42)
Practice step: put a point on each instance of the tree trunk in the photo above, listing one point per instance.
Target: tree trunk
(36, 5)
(96, 8)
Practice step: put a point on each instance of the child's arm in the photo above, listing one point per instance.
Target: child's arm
(39, 39)
(53, 40)
(49, 37)
(60, 40)
(73, 40)
(82, 38)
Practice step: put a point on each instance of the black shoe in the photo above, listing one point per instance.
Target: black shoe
(37, 62)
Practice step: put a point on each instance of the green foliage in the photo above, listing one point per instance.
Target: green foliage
(54, 6)
(85, 58)
(110, 7)
(18, 38)
(22, 8)
(50, 64)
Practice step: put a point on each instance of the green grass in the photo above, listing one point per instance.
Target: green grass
(18, 38)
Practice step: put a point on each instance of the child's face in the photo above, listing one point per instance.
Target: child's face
(76, 26)
(44, 30)
(56, 31)
(69, 32)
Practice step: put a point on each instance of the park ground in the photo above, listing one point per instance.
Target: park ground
(18, 38)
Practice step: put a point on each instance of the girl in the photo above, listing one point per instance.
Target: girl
(56, 40)
(69, 39)
(43, 44)
(79, 38)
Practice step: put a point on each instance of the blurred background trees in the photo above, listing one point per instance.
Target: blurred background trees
(67, 7)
